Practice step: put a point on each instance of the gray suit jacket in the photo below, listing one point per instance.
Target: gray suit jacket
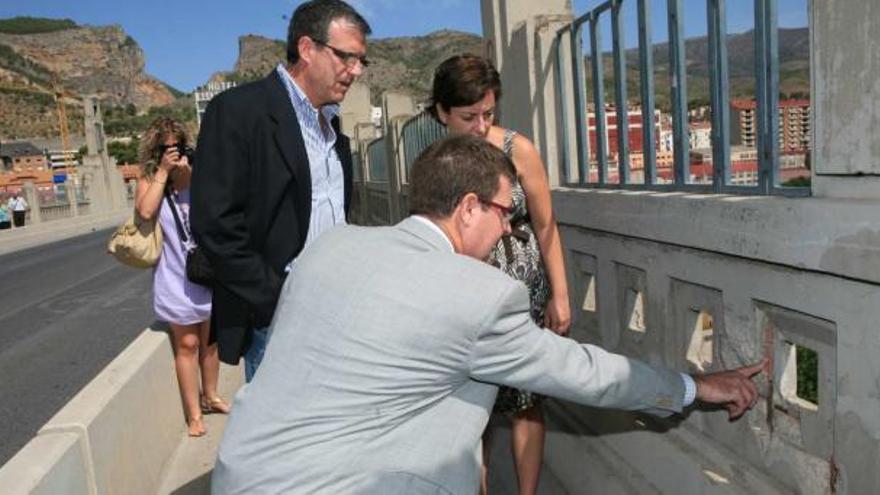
(382, 366)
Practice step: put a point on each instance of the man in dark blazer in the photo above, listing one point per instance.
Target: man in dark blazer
(273, 172)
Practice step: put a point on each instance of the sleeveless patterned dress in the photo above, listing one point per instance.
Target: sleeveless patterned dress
(519, 256)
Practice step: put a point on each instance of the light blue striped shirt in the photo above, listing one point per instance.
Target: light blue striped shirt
(328, 183)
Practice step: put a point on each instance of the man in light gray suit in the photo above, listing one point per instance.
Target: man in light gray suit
(389, 343)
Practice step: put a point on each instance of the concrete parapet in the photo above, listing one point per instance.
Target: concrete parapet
(34, 235)
(833, 236)
(701, 283)
(49, 464)
(129, 417)
(115, 436)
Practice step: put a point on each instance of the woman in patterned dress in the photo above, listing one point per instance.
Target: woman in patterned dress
(186, 306)
(466, 90)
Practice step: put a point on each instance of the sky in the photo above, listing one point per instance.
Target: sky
(186, 41)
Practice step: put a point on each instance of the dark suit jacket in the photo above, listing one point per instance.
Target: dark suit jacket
(251, 202)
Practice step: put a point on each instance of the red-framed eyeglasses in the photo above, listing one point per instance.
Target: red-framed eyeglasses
(506, 211)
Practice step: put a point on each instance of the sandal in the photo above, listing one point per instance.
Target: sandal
(214, 404)
(195, 427)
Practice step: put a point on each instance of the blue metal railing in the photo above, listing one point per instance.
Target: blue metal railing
(377, 161)
(356, 171)
(767, 101)
(417, 134)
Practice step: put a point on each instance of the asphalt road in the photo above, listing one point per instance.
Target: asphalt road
(66, 310)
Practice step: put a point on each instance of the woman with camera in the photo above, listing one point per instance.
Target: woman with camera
(163, 191)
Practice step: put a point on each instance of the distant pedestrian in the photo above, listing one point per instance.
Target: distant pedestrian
(19, 208)
(4, 217)
(163, 191)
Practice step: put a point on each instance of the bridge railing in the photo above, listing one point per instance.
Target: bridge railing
(378, 190)
(577, 169)
(385, 196)
(416, 134)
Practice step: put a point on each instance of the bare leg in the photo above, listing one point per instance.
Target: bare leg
(527, 434)
(186, 347)
(209, 362)
(484, 469)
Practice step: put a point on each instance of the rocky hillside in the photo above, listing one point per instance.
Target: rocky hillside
(36, 54)
(794, 68)
(407, 64)
(403, 64)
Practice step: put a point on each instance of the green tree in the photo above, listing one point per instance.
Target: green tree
(124, 152)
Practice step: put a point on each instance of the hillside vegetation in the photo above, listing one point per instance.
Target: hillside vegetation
(404, 64)
(41, 56)
(794, 69)
(34, 25)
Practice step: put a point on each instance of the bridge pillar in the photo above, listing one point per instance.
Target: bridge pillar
(520, 38)
(107, 187)
(70, 187)
(355, 109)
(846, 147)
(33, 200)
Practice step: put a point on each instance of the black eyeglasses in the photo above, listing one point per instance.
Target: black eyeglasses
(506, 211)
(349, 59)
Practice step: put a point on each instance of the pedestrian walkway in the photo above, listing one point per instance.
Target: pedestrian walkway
(189, 470)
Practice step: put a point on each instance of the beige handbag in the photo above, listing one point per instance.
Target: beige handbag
(137, 242)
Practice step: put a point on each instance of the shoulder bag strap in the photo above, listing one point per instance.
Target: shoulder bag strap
(180, 231)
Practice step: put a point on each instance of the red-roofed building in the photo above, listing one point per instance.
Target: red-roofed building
(634, 132)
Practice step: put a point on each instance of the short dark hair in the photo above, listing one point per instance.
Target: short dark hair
(313, 19)
(463, 80)
(451, 168)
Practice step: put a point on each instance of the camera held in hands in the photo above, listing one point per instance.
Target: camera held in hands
(182, 150)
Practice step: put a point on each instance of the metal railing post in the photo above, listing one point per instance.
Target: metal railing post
(767, 111)
(580, 102)
(620, 92)
(719, 90)
(646, 71)
(678, 83)
(598, 96)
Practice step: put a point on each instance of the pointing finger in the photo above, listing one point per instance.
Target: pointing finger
(754, 369)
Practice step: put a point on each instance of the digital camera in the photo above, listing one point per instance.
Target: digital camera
(182, 150)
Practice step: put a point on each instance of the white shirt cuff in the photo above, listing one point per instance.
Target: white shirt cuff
(690, 390)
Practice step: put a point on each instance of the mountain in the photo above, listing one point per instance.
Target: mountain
(403, 64)
(36, 52)
(794, 68)
(407, 64)
(38, 55)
